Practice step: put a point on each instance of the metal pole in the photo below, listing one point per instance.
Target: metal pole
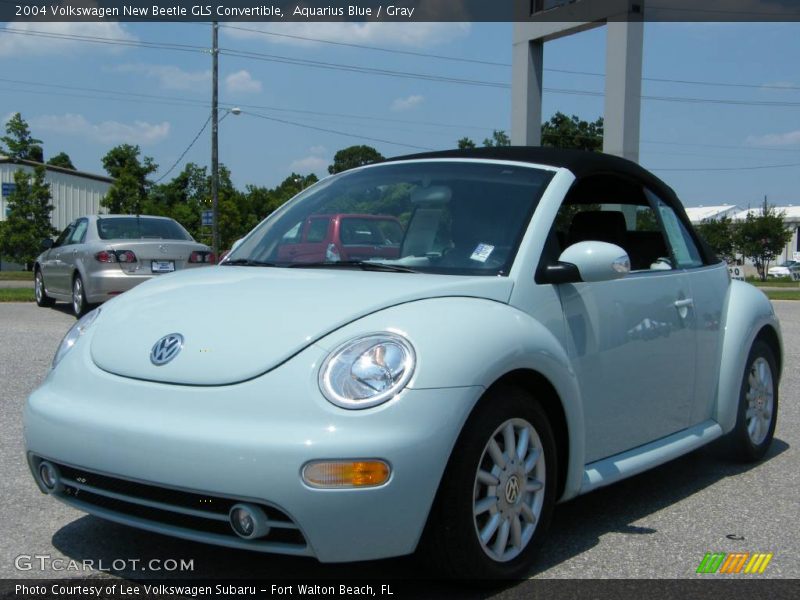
(214, 138)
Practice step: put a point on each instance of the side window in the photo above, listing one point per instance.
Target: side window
(684, 249)
(293, 235)
(615, 210)
(79, 232)
(65, 235)
(317, 231)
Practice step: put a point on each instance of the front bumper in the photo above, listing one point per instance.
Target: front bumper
(249, 441)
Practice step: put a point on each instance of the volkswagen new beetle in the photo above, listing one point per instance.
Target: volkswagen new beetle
(549, 325)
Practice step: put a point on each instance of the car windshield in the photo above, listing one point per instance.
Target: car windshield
(137, 228)
(448, 217)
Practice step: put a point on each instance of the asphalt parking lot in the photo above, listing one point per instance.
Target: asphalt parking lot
(657, 525)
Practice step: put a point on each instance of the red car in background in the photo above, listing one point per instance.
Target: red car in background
(342, 237)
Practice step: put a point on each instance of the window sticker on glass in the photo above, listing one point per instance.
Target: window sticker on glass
(482, 252)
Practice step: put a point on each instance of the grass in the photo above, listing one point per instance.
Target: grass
(777, 283)
(783, 294)
(16, 276)
(16, 295)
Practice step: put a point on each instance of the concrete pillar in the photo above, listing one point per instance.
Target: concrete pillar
(623, 94)
(526, 92)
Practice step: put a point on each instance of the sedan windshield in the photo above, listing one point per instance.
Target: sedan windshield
(449, 217)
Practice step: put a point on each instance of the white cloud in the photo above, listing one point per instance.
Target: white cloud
(170, 77)
(242, 82)
(789, 138)
(318, 150)
(22, 41)
(310, 164)
(411, 35)
(105, 132)
(401, 104)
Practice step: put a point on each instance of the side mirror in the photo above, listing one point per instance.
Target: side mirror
(597, 261)
(47, 243)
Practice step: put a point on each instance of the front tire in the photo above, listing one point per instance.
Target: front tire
(42, 299)
(497, 494)
(758, 406)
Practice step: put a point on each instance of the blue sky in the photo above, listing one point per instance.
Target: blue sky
(682, 140)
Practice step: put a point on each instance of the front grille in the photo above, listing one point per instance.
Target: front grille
(194, 514)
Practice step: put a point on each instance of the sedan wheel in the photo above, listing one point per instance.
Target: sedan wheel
(498, 491)
(79, 304)
(758, 406)
(42, 299)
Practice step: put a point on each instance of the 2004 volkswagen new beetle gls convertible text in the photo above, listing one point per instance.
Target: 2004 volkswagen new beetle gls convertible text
(548, 324)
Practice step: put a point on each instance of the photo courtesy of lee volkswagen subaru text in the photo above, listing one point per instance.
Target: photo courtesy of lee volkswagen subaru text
(547, 323)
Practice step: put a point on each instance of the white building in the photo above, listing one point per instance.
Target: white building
(74, 193)
(698, 214)
(791, 218)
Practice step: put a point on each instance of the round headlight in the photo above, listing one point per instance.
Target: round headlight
(75, 332)
(367, 371)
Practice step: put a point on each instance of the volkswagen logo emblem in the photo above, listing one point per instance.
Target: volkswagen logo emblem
(162, 248)
(165, 349)
(512, 489)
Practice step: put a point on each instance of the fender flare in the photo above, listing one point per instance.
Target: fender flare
(746, 312)
(495, 339)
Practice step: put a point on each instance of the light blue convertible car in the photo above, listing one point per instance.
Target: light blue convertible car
(548, 323)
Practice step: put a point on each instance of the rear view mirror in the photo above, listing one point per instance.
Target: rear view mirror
(436, 194)
(597, 261)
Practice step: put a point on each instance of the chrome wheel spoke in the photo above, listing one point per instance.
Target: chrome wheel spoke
(508, 440)
(522, 444)
(497, 455)
(533, 485)
(486, 478)
(527, 513)
(516, 532)
(502, 538)
(531, 461)
(488, 531)
(483, 505)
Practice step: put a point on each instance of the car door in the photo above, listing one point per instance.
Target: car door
(74, 250)
(631, 340)
(314, 241)
(709, 282)
(54, 267)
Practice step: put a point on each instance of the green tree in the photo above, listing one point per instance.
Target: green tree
(129, 191)
(499, 138)
(352, 157)
(28, 220)
(62, 160)
(761, 237)
(562, 131)
(465, 143)
(19, 141)
(718, 234)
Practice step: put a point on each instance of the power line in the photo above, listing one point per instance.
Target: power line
(189, 147)
(374, 48)
(105, 40)
(344, 133)
(750, 168)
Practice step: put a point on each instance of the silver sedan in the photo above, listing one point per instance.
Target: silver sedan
(98, 257)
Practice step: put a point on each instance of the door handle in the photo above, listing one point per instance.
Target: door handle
(683, 307)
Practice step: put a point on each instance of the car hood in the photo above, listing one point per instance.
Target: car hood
(240, 322)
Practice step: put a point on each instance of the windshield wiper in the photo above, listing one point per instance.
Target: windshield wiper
(364, 265)
(248, 262)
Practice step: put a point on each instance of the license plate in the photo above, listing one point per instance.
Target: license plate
(163, 266)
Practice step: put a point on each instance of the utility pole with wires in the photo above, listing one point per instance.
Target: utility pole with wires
(214, 138)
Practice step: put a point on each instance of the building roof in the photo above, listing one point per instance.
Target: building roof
(698, 214)
(31, 163)
(790, 213)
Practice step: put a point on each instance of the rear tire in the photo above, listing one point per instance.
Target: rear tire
(497, 494)
(79, 304)
(42, 299)
(758, 407)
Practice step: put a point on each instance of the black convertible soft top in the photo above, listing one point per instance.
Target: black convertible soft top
(580, 162)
